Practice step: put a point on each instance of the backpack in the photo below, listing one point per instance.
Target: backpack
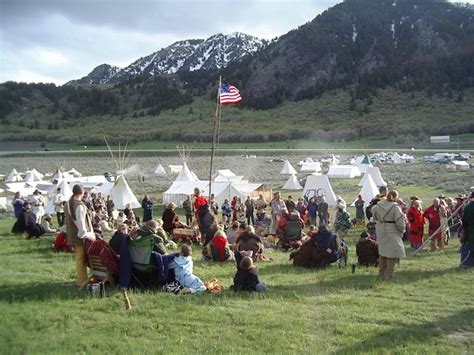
(293, 227)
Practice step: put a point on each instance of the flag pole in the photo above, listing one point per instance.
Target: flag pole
(215, 134)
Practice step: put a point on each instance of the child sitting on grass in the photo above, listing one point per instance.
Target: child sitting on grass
(183, 271)
(246, 278)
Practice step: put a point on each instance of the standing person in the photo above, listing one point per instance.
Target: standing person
(290, 204)
(433, 215)
(342, 224)
(240, 210)
(360, 215)
(301, 208)
(59, 203)
(416, 222)
(78, 227)
(109, 204)
(87, 201)
(17, 204)
(312, 211)
(277, 204)
(188, 210)
(37, 204)
(199, 200)
(213, 205)
(261, 203)
(233, 205)
(147, 205)
(249, 210)
(226, 211)
(390, 225)
(467, 240)
(323, 211)
(205, 220)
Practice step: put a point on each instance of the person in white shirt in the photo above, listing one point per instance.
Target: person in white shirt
(59, 203)
(37, 206)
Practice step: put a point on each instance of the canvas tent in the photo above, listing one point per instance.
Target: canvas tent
(343, 172)
(66, 193)
(74, 173)
(160, 171)
(319, 185)
(374, 171)
(14, 178)
(227, 175)
(314, 167)
(31, 176)
(368, 191)
(175, 169)
(292, 183)
(12, 174)
(364, 164)
(122, 194)
(287, 169)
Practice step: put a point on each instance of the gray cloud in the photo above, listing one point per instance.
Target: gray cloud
(59, 40)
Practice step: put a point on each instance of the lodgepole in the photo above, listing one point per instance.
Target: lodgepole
(215, 134)
(437, 230)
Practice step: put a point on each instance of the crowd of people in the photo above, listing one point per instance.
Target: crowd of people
(241, 230)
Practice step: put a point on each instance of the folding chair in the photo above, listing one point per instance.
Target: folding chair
(140, 249)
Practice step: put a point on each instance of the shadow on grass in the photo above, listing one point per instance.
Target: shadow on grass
(41, 292)
(459, 324)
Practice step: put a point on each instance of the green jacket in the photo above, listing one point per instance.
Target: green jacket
(160, 238)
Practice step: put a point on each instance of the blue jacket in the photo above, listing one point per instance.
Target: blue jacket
(313, 209)
(183, 271)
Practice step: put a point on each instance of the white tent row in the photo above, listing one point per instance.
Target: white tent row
(292, 183)
(343, 172)
(287, 169)
(178, 191)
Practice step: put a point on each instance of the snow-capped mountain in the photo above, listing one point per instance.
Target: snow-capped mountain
(100, 75)
(214, 52)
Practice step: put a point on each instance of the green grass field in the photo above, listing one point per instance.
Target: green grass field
(427, 308)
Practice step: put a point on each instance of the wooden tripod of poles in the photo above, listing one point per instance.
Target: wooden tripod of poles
(215, 134)
(437, 230)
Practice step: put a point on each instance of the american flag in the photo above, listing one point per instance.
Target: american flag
(229, 94)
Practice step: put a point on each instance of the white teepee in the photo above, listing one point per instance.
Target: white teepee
(292, 183)
(13, 175)
(368, 191)
(122, 194)
(374, 171)
(31, 176)
(287, 169)
(160, 171)
(320, 185)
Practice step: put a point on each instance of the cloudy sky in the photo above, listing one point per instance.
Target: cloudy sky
(59, 40)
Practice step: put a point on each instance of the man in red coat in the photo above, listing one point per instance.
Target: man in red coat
(416, 222)
(433, 215)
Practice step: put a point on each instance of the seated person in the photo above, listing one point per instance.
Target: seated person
(218, 248)
(170, 219)
(117, 238)
(121, 218)
(328, 242)
(248, 244)
(367, 251)
(232, 233)
(46, 224)
(310, 234)
(246, 278)
(153, 228)
(290, 231)
(183, 271)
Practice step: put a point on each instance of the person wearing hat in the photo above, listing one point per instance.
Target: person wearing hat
(46, 224)
(246, 277)
(467, 248)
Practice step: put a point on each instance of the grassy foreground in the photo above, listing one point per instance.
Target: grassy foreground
(427, 308)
